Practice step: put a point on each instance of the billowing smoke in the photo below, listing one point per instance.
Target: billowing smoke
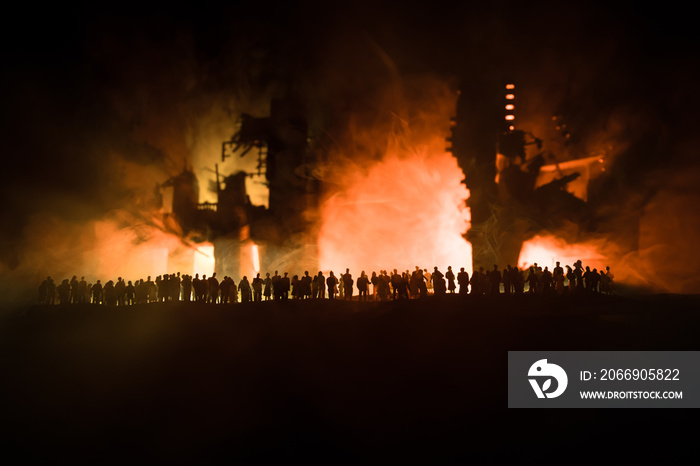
(656, 251)
(395, 197)
(402, 211)
(90, 142)
(102, 107)
(621, 107)
(667, 258)
(642, 224)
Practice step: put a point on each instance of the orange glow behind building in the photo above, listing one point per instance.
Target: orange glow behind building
(255, 253)
(545, 251)
(396, 198)
(135, 253)
(401, 212)
(204, 259)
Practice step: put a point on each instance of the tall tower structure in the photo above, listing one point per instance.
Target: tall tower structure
(491, 152)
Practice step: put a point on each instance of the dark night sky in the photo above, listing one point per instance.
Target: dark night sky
(76, 80)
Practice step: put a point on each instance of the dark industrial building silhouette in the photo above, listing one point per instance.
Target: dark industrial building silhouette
(507, 208)
(507, 205)
(277, 235)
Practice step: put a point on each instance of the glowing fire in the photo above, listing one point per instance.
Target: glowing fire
(117, 246)
(402, 212)
(204, 260)
(255, 253)
(545, 251)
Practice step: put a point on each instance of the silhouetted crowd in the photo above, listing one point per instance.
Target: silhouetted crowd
(382, 286)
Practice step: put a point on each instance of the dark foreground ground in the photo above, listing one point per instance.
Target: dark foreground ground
(333, 383)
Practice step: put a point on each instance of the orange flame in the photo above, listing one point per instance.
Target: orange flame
(545, 251)
(256, 257)
(404, 211)
(399, 201)
(204, 259)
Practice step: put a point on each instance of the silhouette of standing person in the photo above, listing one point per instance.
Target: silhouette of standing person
(120, 291)
(546, 281)
(175, 285)
(50, 291)
(508, 280)
(495, 280)
(606, 281)
(196, 287)
(439, 285)
(296, 287)
(64, 290)
(306, 285)
(532, 280)
(413, 282)
(571, 277)
(187, 288)
(588, 280)
(395, 282)
(314, 287)
(234, 290)
(97, 293)
(129, 294)
(267, 291)
(450, 276)
(428, 280)
(362, 286)
(595, 279)
(244, 287)
(463, 281)
(257, 288)
(213, 288)
(403, 286)
(422, 286)
(383, 290)
(347, 284)
(321, 284)
(82, 291)
(286, 285)
(110, 296)
(578, 273)
(558, 278)
(74, 289)
(374, 280)
(332, 283)
(225, 288)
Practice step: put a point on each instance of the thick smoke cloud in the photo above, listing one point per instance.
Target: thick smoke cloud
(101, 106)
(93, 122)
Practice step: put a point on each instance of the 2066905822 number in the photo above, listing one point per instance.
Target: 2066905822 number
(639, 374)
